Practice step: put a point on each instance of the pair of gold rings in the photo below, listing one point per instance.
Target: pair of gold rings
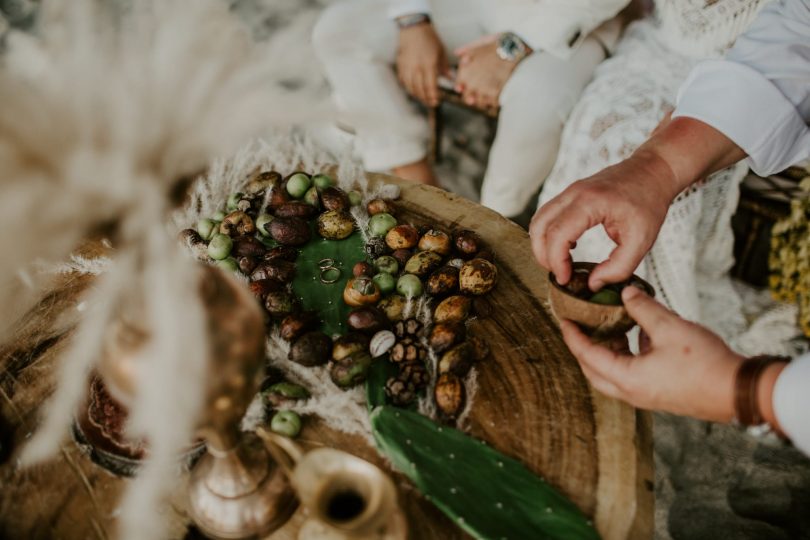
(329, 272)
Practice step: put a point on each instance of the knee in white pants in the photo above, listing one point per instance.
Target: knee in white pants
(335, 31)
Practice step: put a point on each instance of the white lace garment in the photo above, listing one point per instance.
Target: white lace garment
(630, 93)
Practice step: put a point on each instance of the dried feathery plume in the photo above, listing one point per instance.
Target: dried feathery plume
(104, 114)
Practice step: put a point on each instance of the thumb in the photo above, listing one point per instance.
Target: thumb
(619, 266)
(650, 315)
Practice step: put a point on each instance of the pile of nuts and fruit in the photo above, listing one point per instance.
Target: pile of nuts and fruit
(260, 235)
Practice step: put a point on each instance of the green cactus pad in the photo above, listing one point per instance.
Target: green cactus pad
(486, 493)
(317, 296)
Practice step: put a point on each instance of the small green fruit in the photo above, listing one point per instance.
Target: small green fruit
(286, 423)
(229, 263)
(409, 286)
(233, 201)
(606, 297)
(298, 184)
(289, 390)
(311, 197)
(219, 215)
(386, 282)
(387, 264)
(220, 246)
(261, 222)
(355, 198)
(206, 228)
(322, 181)
(380, 224)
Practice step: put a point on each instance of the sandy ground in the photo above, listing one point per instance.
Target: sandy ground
(713, 482)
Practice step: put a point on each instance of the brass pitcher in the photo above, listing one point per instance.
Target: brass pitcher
(235, 490)
(347, 498)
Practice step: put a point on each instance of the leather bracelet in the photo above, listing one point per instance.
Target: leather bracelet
(412, 19)
(746, 382)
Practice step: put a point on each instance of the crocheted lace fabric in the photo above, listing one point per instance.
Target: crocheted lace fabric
(630, 93)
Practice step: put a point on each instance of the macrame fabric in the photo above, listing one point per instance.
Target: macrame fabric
(630, 94)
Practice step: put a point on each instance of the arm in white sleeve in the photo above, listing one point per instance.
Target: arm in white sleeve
(759, 96)
(559, 26)
(791, 402)
(398, 8)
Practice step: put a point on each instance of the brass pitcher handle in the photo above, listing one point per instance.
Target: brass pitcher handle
(286, 453)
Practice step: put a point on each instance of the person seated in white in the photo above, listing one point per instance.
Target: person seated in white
(530, 57)
(753, 105)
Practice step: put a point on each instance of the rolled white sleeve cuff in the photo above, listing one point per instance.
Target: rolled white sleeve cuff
(791, 402)
(747, 108)
(398, 8)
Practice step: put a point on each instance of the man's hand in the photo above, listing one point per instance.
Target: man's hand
(482, 74)
(420, 61)
(629, 199)
(683, 369)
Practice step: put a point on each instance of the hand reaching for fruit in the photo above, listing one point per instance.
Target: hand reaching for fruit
(684, 369)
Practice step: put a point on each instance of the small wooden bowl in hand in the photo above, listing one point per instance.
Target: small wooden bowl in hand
(596, 319)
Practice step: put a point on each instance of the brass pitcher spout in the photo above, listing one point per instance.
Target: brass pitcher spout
(348, 498)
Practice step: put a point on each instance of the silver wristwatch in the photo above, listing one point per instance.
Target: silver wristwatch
(511, 47)
(412, 19)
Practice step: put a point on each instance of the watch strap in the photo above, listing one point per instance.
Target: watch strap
(746, 406)
(412, 19)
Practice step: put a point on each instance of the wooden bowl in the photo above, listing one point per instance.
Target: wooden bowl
(597, 319)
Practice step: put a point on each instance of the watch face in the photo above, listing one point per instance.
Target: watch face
(508, 47)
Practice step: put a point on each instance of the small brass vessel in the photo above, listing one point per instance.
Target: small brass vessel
(347, 498)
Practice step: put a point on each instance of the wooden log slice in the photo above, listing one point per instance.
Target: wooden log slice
(533, 403)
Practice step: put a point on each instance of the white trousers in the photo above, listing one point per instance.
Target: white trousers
(357, 44)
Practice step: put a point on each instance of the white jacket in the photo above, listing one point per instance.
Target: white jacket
(554, 26)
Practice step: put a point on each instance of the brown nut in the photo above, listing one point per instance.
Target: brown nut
(361, 291)
(261, 287)
(363, 269)
(468, 243)
(449, 395)
(437, 241)
(351, 370)
(477, 277)
(402, 256)
(368, 319)
(423, 263)
(394, 307)
(442, 282)
(453, 309)
(247, 246)
(457, 360)
(298, 209)
(402, 237)
(578, 284)
(194, 242)
(278, 196)
(287, 253)
(335, 225)
(247, 264)
(296, 324)
(262, 182)
(237, 224)
(349, 344)
(278, 269)
(445, 335)
(290, 231)
(311, 349)
(334, 200)
(380, 206)
(279, 303)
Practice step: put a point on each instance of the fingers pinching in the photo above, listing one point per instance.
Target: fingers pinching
(651, 316)
(624, 259)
